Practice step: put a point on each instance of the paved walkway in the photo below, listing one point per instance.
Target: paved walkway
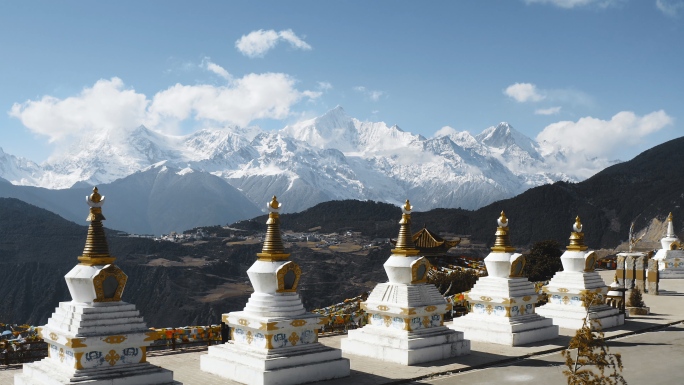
(667, 309)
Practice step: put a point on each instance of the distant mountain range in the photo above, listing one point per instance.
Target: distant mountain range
(158, 200)
(646, 187)
(331, 157)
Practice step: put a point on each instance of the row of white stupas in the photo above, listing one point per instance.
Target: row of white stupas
(98, 339)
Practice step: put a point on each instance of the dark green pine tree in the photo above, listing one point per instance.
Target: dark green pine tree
(543, 261)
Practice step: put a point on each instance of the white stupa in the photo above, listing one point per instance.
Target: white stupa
(670, 257)
(274, 340)
(406, 315)
(95, 339)
(565, 290)
(503, 302)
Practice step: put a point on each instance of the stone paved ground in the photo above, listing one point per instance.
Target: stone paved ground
(501, 361)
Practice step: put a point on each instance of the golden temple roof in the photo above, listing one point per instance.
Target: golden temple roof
(431, 244)
(96, 250)
(273, 249)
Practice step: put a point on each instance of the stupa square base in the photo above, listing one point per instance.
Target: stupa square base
(406, 348)
(572, 317)
(670, 263)
(290, 366)
(98, 343)
(671, 274)
(46, 372)
(516, 331)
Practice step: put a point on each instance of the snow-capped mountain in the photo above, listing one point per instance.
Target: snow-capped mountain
(19, 170)
(333, 156)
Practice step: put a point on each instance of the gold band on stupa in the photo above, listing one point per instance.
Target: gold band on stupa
(273, 249)
(405, 245)
(577, 237)
(502, 243)
(96, 250)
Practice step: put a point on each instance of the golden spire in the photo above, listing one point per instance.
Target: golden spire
(405, 245)
(273, 249)
(502, 244)
(577, 237)
(670, 227)
(96, 250)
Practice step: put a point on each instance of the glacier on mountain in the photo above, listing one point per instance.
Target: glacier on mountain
(330, 157)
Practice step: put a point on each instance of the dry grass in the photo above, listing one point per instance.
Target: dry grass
(186, 262)
(346, 248)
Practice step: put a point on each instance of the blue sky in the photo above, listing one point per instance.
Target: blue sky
(603, 77)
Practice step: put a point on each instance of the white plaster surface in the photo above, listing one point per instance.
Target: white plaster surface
(80, 282)
(499, 264)
(511, 331)
(262, 275)
(405, 348)
(49, 373)
(286, 366)
(398, 268)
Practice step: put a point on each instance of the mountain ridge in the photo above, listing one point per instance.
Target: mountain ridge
(333, 156)
(636, 191)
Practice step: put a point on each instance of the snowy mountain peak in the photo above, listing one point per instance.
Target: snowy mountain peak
(509, 140)
(334, 129)
(333, 156)
(500, 136)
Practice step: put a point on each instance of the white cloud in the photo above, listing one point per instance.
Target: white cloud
(258, 43)
(670, 8)
(592, 137)
(324, 86)
(109, 105)
(106, 105)
(524, 92)
(548, 111)
(569, 96)
(254, 96)
(215, 68)
(289, 36)
(375, 95)
(530, 93)
(445, 131)
(569, 4)
(371, 94)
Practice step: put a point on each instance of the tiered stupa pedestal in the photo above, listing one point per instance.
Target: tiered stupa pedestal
(406, 315)
(274, 340)
(670, 258)
(566, 305)
(503, 303)
(95, 338)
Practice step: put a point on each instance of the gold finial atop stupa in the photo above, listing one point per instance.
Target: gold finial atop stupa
(95, 201)
(405, 245)
(669, 217)
(577, 237)
(96, 250)
(502, 244)
(273, 249)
